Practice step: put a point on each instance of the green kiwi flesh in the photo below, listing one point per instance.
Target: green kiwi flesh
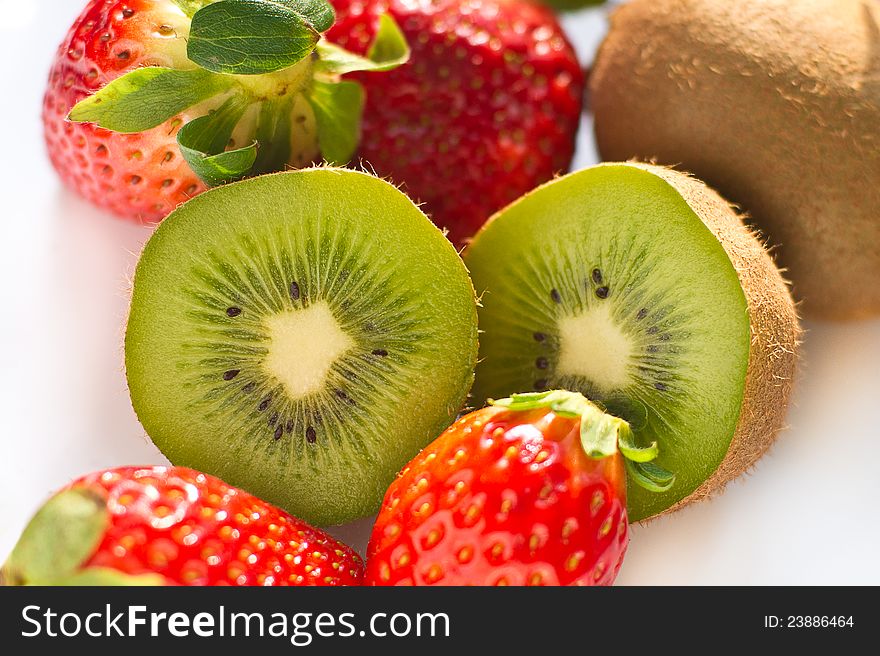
(302, 336)
(607, 282)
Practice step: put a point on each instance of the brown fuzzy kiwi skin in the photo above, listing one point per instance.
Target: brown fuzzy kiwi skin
(775, 332)
(776, 104)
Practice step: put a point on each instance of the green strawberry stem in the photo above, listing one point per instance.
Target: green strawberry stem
(242, 53)
(60, 539)
(602, 434)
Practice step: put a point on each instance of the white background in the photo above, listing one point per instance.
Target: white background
(807, 514)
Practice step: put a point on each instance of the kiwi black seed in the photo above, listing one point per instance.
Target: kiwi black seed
(641, 288)
(301, 336)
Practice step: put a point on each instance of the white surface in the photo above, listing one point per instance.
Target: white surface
(807, 514)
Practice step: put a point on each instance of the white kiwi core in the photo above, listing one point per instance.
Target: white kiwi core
(593, 347)
(303, 345)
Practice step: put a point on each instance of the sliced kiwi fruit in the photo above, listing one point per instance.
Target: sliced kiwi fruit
(301, 336)
(639, 287)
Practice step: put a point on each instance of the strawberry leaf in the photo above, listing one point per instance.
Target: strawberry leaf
(388, 51)
(202, 142)
(273, 135)
(91, 577)
(599, 432)
(602, 434)
(338, 108)
(317, 13)
(390, 44)
(59, 539)
(562, 403)
(222, 168)
(147, 97)
(632, 451)
(528, 401)
(650, 476)
(250, 37)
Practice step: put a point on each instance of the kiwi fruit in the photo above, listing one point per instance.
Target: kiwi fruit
(641, 288)
(774, 103)
(302, 336)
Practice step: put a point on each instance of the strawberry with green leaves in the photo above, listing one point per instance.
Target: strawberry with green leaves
(529, 491)
(486, 109)
(172, 526)
(150, 101)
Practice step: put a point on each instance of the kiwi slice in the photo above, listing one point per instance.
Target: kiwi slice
(640, 287)
(301, 336)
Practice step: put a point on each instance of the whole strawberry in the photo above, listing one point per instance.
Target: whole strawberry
(486, 109)
(172, 526)
(531, 491)
(151, 101)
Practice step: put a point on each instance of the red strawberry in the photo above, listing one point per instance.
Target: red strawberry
(172, 526)
(140, 175)
(287, 116)
(486, 109)
(529, 492)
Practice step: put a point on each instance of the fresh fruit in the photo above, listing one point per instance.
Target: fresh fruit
(774, 103)
(486, 109)
(172, 526)
(300, 335)
(641, 288)
(194, 98)
(528, 492)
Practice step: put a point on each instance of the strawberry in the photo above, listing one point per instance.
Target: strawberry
(486, 109)
(530, 491)
(172, 526)
(132, 75)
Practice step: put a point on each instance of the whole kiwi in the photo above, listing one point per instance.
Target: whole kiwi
(775, 103)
